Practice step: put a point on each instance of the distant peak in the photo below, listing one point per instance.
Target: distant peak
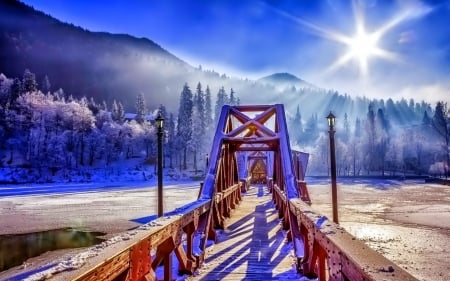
(284, 79)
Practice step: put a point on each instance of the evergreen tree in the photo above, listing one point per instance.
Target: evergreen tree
(184, 125)
(346, 134)
(356, 144)
(208, 111)
(297, 126)
(29, 81)
(221, 100)
(199, 104)
(232, 97)
(311, 129)
(171, 138)
(162, 110)
(426, 120)
(440, 123)
(140, 108)
(370, 137)
(16, 90)
(198, 128)
(45, 85)
(382, 144)
(120, 113)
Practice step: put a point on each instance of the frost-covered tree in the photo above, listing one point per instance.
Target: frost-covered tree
(29, 81)
(440, 124)
(221, 100)
(171, 140)
(45, 85)
(208, 111)
(184, 124)
(346, 133)
(198, 124)
(140, 108)
(232, 100)
(370, 138)
(382, 141)
(311, 129)
(296, 130)
(16, 90)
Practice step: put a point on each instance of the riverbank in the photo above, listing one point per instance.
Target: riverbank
(407, 221)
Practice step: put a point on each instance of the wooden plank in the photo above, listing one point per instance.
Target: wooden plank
(251, 247)
(109, 270)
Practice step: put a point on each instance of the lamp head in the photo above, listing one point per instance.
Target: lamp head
(159, 121)
(331, 120)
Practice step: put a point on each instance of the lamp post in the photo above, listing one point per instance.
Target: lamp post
(159, 124)
(331, 122)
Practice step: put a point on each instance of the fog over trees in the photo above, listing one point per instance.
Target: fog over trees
(45, 135)
(50, 135)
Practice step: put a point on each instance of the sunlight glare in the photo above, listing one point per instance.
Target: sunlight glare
(362, 46)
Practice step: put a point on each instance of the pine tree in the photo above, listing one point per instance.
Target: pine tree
(29, 81)
(162, 110)
(346, 134)
(208, 111)
(232, 97)
(184, 126)
(114, 111)
(221, 100)
(140, 108)
(45, 85)
(440, 124)
(16, 90)
(120, 113)
(171, 138)
(297, 126)
(198, 123)
(199, 104)
(426, 120)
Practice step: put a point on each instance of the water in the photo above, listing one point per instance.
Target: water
(17, 248)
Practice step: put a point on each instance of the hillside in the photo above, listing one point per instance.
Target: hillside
(99, 64)
(117, 66)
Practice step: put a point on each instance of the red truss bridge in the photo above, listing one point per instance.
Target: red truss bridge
(254, 208)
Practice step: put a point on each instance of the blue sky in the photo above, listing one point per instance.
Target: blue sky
(315, 40)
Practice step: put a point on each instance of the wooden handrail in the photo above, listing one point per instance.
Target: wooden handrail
(139, 252)
(325, 250)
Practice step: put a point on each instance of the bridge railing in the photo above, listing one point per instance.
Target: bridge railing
(324, 250)
(137, 256)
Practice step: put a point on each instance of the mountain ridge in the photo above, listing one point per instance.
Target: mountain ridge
(285, 79)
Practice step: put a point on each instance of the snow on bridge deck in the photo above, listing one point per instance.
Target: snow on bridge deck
(252, 246)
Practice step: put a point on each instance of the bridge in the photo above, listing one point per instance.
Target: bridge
(261, 224)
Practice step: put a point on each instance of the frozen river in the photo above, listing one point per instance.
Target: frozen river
(408, 222)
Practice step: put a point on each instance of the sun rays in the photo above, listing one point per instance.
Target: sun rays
(366, 45)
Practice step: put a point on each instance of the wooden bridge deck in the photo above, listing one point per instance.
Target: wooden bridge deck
(251, 247)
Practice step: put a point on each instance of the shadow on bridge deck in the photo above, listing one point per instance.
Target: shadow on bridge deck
(251, 247)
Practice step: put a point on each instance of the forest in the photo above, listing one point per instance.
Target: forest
(48, 136)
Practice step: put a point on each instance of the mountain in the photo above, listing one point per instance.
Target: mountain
(108, 66)
(98, 64)
(285, 80)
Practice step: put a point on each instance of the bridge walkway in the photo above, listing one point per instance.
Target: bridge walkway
(251, 247)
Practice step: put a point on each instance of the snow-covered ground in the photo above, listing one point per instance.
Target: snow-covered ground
(408, 222)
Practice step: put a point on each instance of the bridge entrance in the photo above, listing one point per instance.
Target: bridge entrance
(258, 168)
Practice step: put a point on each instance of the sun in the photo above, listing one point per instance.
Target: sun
(361, 47)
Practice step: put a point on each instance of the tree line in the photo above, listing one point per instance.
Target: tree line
(50, 133)
(390, 139)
